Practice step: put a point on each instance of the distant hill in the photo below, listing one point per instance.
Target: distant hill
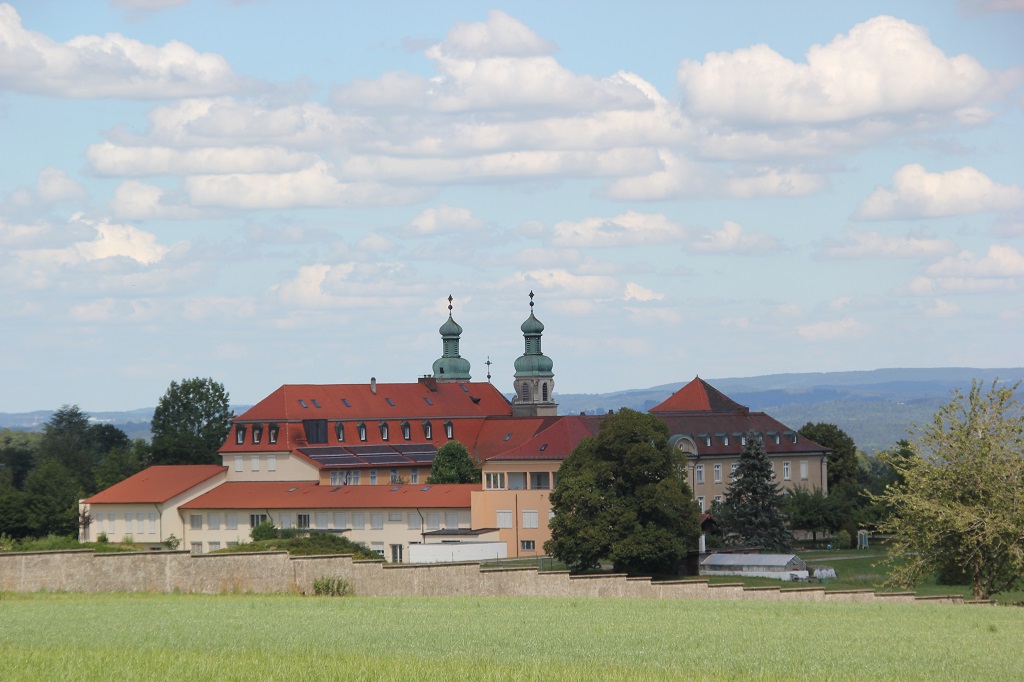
(875, 407)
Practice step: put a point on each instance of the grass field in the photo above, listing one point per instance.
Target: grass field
(238, 637)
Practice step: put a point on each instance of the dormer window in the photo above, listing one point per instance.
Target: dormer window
(239, 434)
(449, 430)
(406, 431)
(339, 431)
(272, 431)
(362, 431)
(428, 430)
(257, 434)
(383, 426)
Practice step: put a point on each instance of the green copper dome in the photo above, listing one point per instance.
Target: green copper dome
(534, 365)
(532, 325)
(452, 369)
(451, 327)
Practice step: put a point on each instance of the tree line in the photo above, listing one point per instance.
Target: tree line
(44, 474)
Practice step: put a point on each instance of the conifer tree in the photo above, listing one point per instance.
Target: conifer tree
(751, 513)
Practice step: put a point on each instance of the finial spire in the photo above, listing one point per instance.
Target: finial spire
(531, 300)
(488, 363)
(450, 299)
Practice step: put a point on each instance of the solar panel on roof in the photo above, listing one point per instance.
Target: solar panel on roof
(405, 449)
(422, 457)
(393, 458)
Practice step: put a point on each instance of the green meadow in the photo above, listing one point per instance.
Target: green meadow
(277, 637)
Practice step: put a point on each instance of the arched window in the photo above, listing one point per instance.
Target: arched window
(339, 430)
(526, 392)
(383, 430)
(428, 431)
(544, 391)
(406, 431)
(449, 430)
(362, 431)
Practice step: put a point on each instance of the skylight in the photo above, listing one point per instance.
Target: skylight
(390, 402)
(315, 403)
(397, 487)
(345, 402)
(428, 400)
(303, 403)
(293, 488)
(425, 488)
(508, 435)
(544, 447)
(464, 389)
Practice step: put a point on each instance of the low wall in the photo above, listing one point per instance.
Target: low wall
(84, 571)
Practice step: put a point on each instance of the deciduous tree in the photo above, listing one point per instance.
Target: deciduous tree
(190, 422)
(751, 512)
(622, 496)
(960, 505)
(842, 463)
(453, 464)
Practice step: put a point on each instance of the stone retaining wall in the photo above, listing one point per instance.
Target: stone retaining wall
(84, 571)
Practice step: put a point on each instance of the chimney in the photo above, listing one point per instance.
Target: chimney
(373, 385)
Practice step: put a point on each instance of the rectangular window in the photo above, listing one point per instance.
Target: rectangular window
(803, 470)
(785, 471)
(516, 480)
(303, 520)
(257, 434)
(732, 471)
(214, 546)
(112, 521)
(353, 480)
(451, 520)
(286, 519)
(414, 521)
(527, 546)
(340, 520)
(195, 521)
(394, 475)
(433, 521)
(394, 517)
(254, 463)
(540, 480)
(551, 514)
(699, 473)
(377, 547)
(256, 519)
(504, 519)
(239, 435)
(529, 518)
(272, 434)
(700, 502)
(718, 498)
(213, 521)
(414, 476)
(376, 521)
(128, 523)
(718, 473)
(231, 521)
(140, 523)
(494, 481)
(239, 462)
(358, 521)
(321, 520)
(197, 548)
(373, 477)
(232, 543)
(271, 462)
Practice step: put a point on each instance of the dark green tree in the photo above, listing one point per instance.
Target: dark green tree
(751, 512)
(453, 464)
(122, 462)
(190, 422)
(66, 441)
(815, 512)
(17, 455)
(842, 463)
(52, 494)
(622, 497)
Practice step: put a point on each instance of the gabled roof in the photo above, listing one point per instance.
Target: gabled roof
(157, 484)
(554, 442)
(308, 495)
(698, 396)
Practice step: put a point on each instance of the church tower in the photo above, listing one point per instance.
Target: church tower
(451, 366)
(534, 380)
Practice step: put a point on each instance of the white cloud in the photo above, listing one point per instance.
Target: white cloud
(928, 286)
(349, 285)
(942, 308)
(569, 285)
(917, 193)
(831, 330)
(442, 220)
(731, 239)
(635, 292)
(111, 159)
(106, 66)
(55, 185)
(135, 200)
(868, 244)
(119, 240)
(775, 183)
(628, 229)
(1000, 261)
(883, 66)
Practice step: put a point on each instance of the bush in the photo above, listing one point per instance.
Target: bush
(6, 543)
(264, 531)
(842, 540)
(172, 542)
(332, 587)
(127, 540)
(102, 538)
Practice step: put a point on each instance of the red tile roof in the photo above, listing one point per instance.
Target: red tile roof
(157, 484)
(554, 442)
(309, 495)
(698, 396)
(734, 425)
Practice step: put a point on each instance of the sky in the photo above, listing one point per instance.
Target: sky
(273, 192)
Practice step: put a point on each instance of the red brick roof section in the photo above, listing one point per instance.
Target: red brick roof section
(157, 484)
(307, 495)
(554, 442)
(735, 425)
(698, 396)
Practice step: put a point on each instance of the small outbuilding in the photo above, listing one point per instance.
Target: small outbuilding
(778, 566)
